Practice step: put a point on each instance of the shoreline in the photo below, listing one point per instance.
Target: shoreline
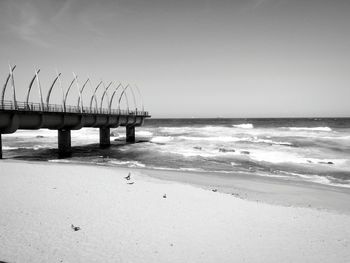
(269, 190)
(145, 219)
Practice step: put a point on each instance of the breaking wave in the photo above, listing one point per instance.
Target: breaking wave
(323, 129)
(162, 139)
(244, 126)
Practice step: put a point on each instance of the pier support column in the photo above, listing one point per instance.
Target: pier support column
(64, 143)
(130, 133)
(105, 137)
(0, 146)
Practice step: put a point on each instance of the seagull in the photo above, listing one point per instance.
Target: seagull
(75, 228)
(128, 177)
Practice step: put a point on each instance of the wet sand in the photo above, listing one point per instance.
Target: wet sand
(264, 189)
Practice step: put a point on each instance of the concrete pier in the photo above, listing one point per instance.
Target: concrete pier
(64, 143)
(105, 137)
(31, 116)
(130, 133)
(0, 147)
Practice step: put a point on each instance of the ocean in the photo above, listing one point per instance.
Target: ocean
(314, 150)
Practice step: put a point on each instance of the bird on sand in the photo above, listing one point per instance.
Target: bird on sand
(75, 228)
(128, 177)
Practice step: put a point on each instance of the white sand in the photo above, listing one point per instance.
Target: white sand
(134, 223)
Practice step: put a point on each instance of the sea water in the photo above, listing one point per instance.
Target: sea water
(316, 150)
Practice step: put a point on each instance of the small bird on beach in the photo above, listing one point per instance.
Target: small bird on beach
(75, 228)
(128, 177)
(214, 190)
(164, 196)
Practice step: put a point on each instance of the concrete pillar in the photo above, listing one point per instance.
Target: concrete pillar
(105, 137)
(0, 147)
(130, 133)
(64, 143)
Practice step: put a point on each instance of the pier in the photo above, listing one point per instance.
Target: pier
(15, 115)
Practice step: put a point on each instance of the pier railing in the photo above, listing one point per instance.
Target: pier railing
(38, 107)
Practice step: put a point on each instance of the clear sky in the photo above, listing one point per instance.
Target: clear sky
(190, 58)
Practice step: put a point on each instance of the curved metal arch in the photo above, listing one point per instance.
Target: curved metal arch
(111, 100)
(13, 88)
(104, 94)
(40, 91)
(50, 89)
(94, 95)
(36, 77)
(133, 96)
(5, 85)
(66, 95)
(82, 89)
(140, 95)
(126, 98)
(124, 93)
(79, 92)
(61, 87)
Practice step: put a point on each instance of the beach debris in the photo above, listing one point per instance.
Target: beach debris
(164, 196)
(75, 228)
(235, 195)
(131, 183)
(197, 148)
(325, 162)
(245, 152)
(223, 150)
(214, 190)
(128, 177)
(39, 136)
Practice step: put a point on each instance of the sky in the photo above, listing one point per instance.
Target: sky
(189, 58)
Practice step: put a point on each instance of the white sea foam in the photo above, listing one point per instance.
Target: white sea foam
(59, 161)
(319, 179)
(213, 139)
(162, 139)
(323, 129)
(191, 169)
(163, 168)
(9, 148)
(144, 133)
(244, 126)
(272, 142)
(127, 163)
(292, 157)
(233, 139)
(274, 157)
(190, 152)
(35, 147)
(176, 130)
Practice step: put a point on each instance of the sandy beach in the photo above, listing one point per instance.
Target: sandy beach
(145, 219)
